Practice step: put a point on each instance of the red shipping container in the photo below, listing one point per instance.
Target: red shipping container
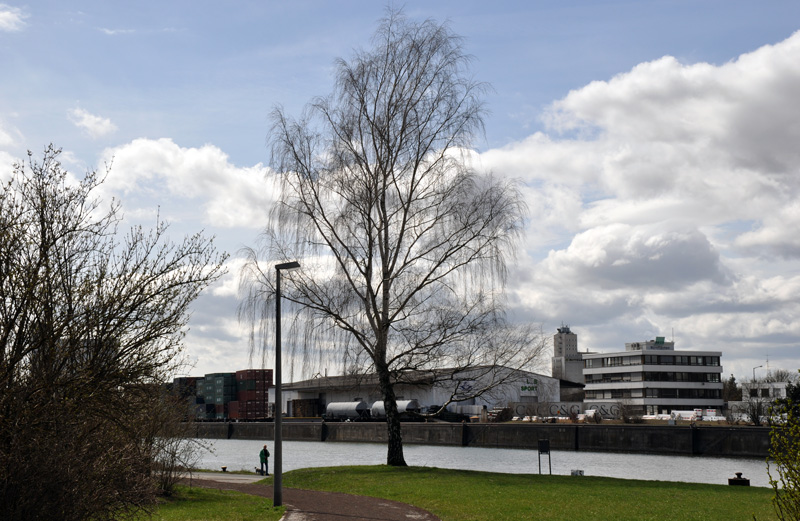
(244, 396)
(255, 374)
(233, 410)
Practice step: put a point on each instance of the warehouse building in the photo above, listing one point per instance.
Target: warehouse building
(310, 397)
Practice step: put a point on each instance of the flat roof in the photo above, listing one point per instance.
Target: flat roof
(666, 352)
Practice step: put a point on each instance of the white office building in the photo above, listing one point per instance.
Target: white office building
(651, 377)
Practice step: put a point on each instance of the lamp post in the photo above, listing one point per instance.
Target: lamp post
(754, 372)
(277, 497)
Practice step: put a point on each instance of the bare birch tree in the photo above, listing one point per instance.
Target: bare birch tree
(403, 245)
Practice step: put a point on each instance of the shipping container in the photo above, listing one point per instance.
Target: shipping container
(224, 376)
(255, 374)
(243, 396)
(252, 385)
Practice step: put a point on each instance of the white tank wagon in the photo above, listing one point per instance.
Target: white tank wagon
(347, 411)
(406, 408)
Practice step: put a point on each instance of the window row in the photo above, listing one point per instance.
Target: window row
(765, 393)
(684, 393)
(613, 361)
(617, 361)
(712, 361)
(669, 376)
(652, 376)
(616, 394)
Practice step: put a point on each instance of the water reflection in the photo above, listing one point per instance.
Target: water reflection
(243, 455)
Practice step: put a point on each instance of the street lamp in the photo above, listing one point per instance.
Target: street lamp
(754, 372)
(277, 498)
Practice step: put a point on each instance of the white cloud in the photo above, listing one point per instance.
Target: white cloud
(95, 126)
(623, 256)
(777, 233)
(6, 165)
(9, 136)
(231, 196)
(9, 139)
(12, 18)
(114, 32)
(698, 144)
(673, 189)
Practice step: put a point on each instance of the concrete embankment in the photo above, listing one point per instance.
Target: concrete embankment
(750, 442)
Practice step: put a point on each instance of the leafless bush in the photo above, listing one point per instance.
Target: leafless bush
(629, 413)
(90, 325)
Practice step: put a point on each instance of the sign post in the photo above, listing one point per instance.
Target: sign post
(544, 448)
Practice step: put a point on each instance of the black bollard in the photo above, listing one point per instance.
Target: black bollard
(739, 480)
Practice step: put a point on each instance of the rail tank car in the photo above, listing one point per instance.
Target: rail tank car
(347, 411)
(406, 408)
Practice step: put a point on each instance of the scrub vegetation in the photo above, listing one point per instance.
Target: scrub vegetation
(92, 320)
(784, 469)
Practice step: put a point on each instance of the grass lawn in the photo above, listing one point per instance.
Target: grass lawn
(203, 504)
(456, 495)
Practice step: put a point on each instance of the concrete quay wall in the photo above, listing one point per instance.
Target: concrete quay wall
(652, 439)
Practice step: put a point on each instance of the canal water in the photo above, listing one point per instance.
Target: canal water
(243, 455)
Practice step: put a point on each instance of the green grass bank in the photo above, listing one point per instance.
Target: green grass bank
(456, 495)
(205, 504)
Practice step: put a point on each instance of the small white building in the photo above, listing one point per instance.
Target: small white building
(757, 399)
(767, 390)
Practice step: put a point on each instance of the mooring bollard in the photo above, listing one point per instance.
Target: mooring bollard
(739, 480)
(224, 469)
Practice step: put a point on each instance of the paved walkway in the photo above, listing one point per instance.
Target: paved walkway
(312, 505)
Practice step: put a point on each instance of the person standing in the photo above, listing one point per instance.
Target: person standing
(264, 456)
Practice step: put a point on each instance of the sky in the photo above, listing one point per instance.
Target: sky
(658, 144)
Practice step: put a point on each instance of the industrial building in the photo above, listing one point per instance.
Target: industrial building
(651, 377)
(648, 378)
(310, 397)
(249, 394)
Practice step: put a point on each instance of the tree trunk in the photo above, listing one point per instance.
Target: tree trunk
(394, 455)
